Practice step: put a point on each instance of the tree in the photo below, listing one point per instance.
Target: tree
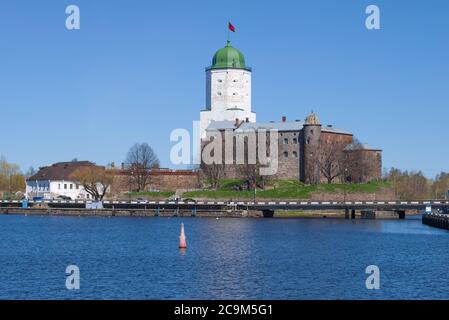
(31, 172)
(440, 186)
(251, 176)
(409, 185)
(214, 173)
(140, 160)
(95, 180)
(11, 179)
(330, 160)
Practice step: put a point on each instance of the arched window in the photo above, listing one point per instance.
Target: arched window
(286, 154)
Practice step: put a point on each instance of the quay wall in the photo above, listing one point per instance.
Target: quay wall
(440, 221)
(126, 213)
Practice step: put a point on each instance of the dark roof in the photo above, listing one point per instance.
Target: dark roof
(59, 171)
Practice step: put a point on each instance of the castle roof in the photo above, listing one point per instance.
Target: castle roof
(60, 170)
(228, 58)
(279, 126)
(312, 119)
(360, 146)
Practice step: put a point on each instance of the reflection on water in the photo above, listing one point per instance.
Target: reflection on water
(139, 258)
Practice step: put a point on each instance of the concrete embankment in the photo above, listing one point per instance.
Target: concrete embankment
(125, 213)
(440, 221)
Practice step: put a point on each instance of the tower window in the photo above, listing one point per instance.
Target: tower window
(219, 93)
(234, 94)
(295, 154)
(295, 141)
(285, 154)
(220, 81)
(285, 140)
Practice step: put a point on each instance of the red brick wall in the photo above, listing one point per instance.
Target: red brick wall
(160, 180)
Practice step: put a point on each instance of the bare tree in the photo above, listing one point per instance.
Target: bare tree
(409, 185)
(251, 176)
(330, 160)
(214, 173)
(140, 160)
(95, 180)
(11, 179)
(440, 186)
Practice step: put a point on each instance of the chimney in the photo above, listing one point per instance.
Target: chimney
(247, 119)
(236, 122)
(284, 118)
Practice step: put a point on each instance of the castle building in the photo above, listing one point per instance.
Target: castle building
(306, 150)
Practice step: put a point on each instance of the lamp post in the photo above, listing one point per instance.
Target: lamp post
(345, 181)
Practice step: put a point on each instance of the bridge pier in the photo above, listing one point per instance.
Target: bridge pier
(368, 214)
(194, 212)
(268, 213)
(158, 212)
(401, 214)
(347, 213)
(353, 214)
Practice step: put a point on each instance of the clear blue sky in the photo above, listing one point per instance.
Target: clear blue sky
(135, 71)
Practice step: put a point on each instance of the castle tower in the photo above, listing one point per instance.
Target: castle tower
(228, 89)
(310, 146)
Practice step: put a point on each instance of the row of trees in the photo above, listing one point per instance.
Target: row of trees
(414, 185)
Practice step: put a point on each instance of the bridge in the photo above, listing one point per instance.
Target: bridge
(266, 207)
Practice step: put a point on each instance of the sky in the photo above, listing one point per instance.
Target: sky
(135, 71)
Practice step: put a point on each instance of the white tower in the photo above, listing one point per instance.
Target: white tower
(228, 89)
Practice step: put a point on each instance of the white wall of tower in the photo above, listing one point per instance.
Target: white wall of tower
(228, 96)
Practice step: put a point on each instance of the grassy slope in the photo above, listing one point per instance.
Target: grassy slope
(151, 194)
(282, 189)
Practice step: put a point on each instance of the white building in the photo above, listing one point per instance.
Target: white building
(228, 89)
(56, 180)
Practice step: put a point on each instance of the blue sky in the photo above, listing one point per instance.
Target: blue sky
(135, 71)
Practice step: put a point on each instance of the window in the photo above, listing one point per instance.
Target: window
(77, 186)
(285, 140)
(234, 94)
(295, 141)
(219, 93)
(286, 154)
(295, 154)
(220, 81)
(59, 186)
(71, 186)
(65, 185)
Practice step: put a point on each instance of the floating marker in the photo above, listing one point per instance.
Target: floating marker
(182, 238)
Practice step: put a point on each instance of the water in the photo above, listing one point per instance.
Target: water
(138, 258)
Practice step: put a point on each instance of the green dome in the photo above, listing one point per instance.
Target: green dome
(228, 58)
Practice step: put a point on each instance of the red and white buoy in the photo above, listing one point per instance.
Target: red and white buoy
(182, 238)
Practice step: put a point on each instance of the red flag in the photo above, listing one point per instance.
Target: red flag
(231, 27)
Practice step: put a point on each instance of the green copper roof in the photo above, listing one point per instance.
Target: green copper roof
(228, 58)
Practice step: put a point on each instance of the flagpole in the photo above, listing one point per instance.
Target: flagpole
(229, 34)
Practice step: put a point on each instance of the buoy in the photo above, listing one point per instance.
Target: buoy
(182, 238)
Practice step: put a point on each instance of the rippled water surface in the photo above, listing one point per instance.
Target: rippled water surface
(138, 258)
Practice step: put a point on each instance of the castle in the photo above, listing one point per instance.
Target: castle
(306, 150)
